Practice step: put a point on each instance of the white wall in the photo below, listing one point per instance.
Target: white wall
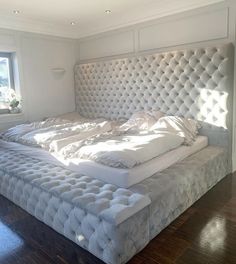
(196, 27)
(44, 93)
(49, 93)
(199, 27)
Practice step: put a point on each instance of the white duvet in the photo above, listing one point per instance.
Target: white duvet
(55, 133)
(123, 151)
(126, 149)
(97, 140)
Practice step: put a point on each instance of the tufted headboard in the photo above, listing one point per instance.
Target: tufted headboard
(195, 83)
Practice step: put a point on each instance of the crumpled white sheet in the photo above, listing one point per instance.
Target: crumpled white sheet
(107, 142)
(54, 133)
(122, 150)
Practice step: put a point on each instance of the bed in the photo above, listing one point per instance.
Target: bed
(115, 220)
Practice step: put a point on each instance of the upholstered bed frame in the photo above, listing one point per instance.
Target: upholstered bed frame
(114, 223)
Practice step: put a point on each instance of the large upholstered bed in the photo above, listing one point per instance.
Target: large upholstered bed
(116, 217)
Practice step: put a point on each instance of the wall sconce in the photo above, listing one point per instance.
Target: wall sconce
(58, 73)
(58, 70)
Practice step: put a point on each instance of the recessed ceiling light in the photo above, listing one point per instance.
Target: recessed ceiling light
(108, 11)
(16, 12)
(72, 23)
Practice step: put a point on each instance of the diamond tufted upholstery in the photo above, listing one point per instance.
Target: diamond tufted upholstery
(194, 83)
(176, 188)
(73, 204)
(110, 222)
(55, 196)
(103, 200)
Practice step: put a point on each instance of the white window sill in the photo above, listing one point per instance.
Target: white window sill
(9, 118)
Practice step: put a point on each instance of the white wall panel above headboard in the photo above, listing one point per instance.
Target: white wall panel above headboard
(104, 46)
(200, 27)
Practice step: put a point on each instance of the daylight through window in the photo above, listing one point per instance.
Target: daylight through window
(6, 80)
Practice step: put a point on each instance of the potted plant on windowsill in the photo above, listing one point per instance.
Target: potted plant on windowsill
(14, 106)
(14, 102)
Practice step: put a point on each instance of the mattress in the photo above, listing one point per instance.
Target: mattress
(124, 178)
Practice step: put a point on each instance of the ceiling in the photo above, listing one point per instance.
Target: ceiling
(54, 17)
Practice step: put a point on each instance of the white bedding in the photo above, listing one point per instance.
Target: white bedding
(125, 150)
(55, 133)
(184, 127)
(127, 147)
(120, 177)
(125, 178)
(97, 140)
(103, 149)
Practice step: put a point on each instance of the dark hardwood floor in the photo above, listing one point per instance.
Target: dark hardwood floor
(204, 234)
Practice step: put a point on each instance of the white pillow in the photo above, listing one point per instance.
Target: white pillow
(185, 127)
(72, 116)
(142, 120)
(156, 114)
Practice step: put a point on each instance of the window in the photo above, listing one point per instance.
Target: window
(6, 80)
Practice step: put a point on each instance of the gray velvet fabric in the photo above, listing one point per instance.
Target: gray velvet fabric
(42, 194)
(176, 188)
(73, 205)
(105, 201)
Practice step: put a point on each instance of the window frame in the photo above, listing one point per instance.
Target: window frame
(8, 55)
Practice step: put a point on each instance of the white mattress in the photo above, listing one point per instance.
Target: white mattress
(128, 177)
(121, 177)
